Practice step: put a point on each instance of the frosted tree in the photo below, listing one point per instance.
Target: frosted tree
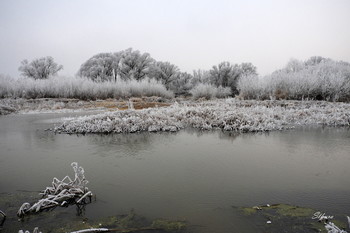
(294, 65)
(182, 84)
(164, 72)
(126, 64)
(41, 68)
(134, 65)
(101, 67)
(222, 74)
(200, 76)
(247, 69)
(315, 60)
(317, 78)
(227, 75)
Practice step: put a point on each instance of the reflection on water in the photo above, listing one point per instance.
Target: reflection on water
(125, 144)
(191, 174)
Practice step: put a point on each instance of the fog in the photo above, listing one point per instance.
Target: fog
(190, 34)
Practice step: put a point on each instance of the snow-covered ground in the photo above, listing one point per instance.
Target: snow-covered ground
(228, 114)
(64, 105)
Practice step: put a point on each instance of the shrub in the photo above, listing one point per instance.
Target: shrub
(209, 91)
(80, 88)
(323, 80)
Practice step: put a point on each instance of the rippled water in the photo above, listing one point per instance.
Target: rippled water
(192, 175)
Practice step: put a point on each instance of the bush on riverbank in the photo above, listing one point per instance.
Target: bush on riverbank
(209, 91)
(314, 79)
(79, 88)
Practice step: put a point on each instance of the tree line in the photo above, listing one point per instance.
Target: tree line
(131, 64)
(316, 78)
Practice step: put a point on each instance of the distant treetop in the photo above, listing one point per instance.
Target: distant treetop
(40, 68)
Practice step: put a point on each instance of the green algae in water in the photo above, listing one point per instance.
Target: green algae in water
(63, 219)
(286, 218)
(281, 209)
(130, 222)
(169, 226)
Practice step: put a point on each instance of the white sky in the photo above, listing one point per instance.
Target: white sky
(189, 34)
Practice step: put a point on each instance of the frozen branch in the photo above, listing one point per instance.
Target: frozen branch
(332, 228)
(36, 230)
(61, 193)
(3, 218)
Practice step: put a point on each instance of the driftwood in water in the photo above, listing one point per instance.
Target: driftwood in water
(62, 193)
(332, 228)
(36, 230)
(3, 218)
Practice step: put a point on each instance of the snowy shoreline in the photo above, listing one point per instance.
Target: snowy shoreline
(64, 105)
(227, 114)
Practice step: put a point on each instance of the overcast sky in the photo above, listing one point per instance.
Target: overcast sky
(189, 34)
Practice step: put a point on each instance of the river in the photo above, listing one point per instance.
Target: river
(191, 175)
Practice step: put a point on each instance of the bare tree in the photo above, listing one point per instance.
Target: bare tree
(41, 68)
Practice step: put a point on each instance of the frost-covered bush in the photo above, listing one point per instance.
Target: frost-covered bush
(223, 92)
(80, 88)
(227, 75)
(228, 114)
(208, 91)
(203, 91)
(315, 79)
(182, 84)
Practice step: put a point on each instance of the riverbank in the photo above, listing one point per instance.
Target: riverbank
(44, 105)
(158, 114)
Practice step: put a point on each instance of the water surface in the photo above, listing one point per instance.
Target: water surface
(193, 175)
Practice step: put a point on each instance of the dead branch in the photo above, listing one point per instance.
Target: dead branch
(3, 218)
(61, 193)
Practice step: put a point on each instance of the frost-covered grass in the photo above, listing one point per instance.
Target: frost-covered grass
(4, 109)
(328, 80)
(229, 114)
(65, 105)
(208, 91)
(55, 105)
(79, 88)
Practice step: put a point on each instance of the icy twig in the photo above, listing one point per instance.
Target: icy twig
(61, 193)
(332, 228)
(84, 196)
(3, 218)
(36, 230)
